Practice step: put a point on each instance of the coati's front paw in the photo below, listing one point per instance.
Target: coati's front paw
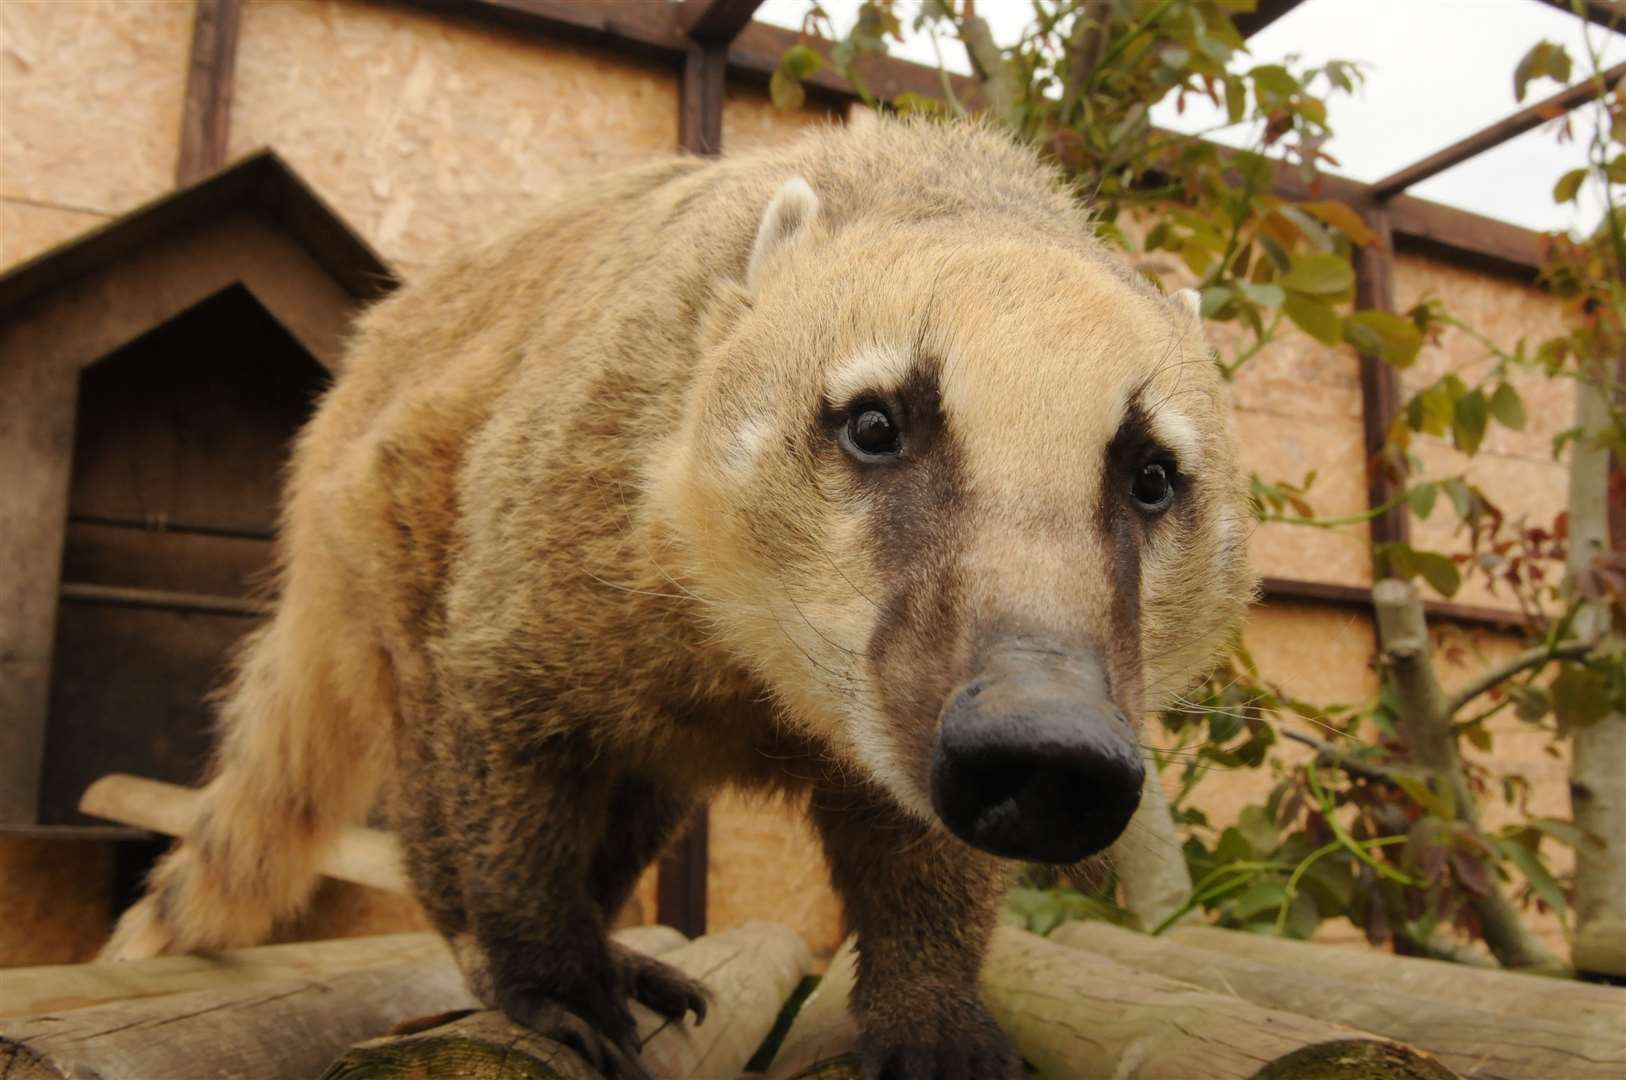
(661, 987)
(971, 1048)
(609, 1048)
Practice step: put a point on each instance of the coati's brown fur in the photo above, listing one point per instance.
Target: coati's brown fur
(572, 542)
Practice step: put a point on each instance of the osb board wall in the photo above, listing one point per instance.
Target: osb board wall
(86, 85)
(427, 132)
(1516, 469)
(55, 900)
(766, 863)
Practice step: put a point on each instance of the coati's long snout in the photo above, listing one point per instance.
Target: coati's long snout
(1033, 758)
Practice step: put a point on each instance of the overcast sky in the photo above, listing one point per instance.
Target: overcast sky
(1437, 70)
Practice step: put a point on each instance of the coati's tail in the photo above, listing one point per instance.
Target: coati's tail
(304, 741)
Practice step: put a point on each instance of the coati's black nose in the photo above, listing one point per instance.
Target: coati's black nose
(1033, 760)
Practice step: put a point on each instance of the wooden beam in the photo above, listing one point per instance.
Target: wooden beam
(716, 21)
(206, 114)
(700, 98)
(1498, 133)
(1250, 23)
(1359, 597)
(1610, 13)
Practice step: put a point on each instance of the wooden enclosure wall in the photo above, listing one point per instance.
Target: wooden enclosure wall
(426, 133)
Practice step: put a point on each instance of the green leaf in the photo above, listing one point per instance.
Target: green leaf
(1544, 60)
(1529, 863)
(1421, 498)
(1563, 831)
(1341, 217)
(1472, 414)
(1530, 703)
(1616, 170)
(1580, 696)
(1441, 805)
(1568, 185)
(1263, 295)
(1266, 894)
(1461, 496)
(1389, 336)
(1319, 275)
(1214, 299)
(1440, 571)
(786, 90)
(1257, 827)
(1315, 318)
(1508, 407)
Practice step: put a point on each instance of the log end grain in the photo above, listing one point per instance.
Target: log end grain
(1355, 1059)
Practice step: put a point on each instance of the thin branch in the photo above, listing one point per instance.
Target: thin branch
(1532, 658)
(1332, 755)
(989, 61)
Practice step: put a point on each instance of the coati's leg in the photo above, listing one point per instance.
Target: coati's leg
(530, 816)
(645, 815)
(303, 745)
(923, 906)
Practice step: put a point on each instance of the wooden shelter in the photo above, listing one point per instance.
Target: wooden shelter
(154, 373)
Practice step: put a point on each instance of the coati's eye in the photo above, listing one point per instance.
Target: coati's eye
(1153, 487)
(870, 434)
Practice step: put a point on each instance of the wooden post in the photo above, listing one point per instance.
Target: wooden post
(680, 897)
(1380, 384)
(206, 119)
(700, 102)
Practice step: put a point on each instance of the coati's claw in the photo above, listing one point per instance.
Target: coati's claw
(660, 986)
(976, 1051)
(614, 1058)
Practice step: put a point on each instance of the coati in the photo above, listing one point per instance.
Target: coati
(855, 470)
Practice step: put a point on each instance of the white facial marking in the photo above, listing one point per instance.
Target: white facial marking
(875, 370)
(1178, 434)
(750, 439)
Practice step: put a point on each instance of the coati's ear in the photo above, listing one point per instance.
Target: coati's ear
(1189, 301)
(790, 212)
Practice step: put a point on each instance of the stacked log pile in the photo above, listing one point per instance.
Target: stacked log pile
(1092, 1000)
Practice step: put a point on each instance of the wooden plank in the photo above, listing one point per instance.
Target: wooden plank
(1380, 383)
(716, 21)
(700, 98)
(360, 855)
(1498, 133)
(206, 112)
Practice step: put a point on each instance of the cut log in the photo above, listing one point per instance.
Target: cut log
(364, 856)
(281, 1010)
(1464, 1037)
(822, 1043)
(58, 988)
(750, 971)
(1073, 1015)
(1513, 994)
